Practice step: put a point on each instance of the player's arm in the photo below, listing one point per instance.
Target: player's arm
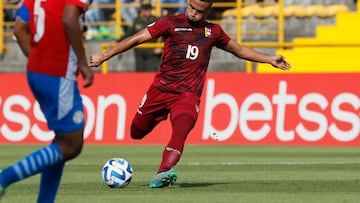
(73, 32)
(22, 30)
(252, 55)
(124, 45)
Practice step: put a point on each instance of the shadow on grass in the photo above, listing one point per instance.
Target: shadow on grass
(287, 186)
(189, 185)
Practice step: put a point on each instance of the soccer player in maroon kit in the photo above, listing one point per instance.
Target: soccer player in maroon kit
(177, 86)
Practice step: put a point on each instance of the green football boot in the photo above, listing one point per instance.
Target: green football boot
(163, 179)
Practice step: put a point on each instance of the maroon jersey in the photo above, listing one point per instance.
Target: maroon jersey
(187, 50)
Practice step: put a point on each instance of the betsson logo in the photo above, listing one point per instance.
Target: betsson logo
(20, 117)
(240, 116)
(94, 121)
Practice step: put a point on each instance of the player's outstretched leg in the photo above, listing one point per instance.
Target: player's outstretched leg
(30, 165)
(182, 124)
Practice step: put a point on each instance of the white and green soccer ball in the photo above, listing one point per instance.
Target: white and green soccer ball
(117, 173)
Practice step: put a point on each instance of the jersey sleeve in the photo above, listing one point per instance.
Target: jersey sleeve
(222, 38)
(158, 28)
(23, 13)
(79, 3)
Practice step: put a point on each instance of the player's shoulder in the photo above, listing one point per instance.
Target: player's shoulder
(210, 24)
(213, 26)
(170, 21)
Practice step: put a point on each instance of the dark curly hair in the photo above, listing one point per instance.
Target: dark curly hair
(208, 1)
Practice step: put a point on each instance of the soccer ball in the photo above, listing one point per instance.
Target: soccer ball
(117, 173)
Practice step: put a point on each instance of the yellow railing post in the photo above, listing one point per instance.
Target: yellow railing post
(281, 32)
(118, 30)
(118, 26)
(158, 8)
(1, 28)
(238, 21)
(248, 64)
(104, 66)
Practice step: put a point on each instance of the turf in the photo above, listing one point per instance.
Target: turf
(205, 174)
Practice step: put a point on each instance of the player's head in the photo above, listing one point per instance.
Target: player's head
(145, 9)
(197, 10)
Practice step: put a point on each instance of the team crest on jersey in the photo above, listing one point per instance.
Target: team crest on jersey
(78, 117)
(207, 32)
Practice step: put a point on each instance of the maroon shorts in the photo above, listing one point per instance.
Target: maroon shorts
(156, 105)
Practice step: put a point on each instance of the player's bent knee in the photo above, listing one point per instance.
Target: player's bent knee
(72, 152)
(137, 133)
(71, 144)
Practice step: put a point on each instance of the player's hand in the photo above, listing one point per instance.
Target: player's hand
(87, 75)
(280, 62)
(96, 60)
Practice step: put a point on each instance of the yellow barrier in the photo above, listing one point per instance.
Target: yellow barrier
(260, 11)
(2, 49)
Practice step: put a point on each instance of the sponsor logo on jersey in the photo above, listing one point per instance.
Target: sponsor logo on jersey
(182, 29)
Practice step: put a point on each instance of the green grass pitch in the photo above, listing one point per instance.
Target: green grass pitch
(205, 174)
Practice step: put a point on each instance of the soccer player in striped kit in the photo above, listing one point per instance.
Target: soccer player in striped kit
(50, 35)
(177, 86)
